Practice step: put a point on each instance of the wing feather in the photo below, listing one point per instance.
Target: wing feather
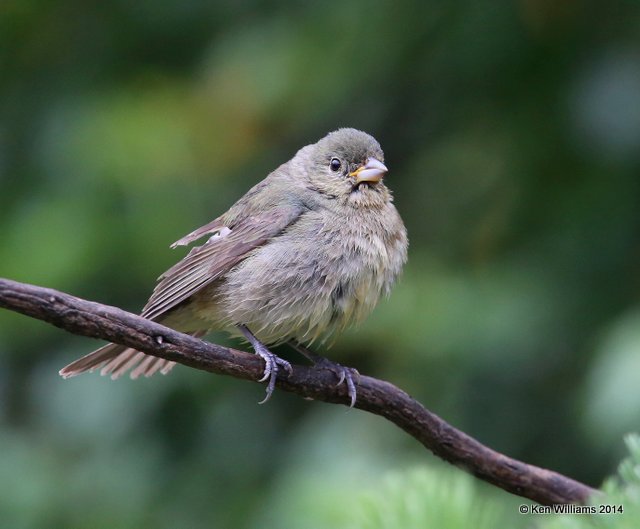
(204, 264)
(212, 227)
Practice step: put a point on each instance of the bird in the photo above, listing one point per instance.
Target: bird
(305, 253)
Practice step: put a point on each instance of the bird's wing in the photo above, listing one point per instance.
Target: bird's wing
(211, 228)
(218, 255)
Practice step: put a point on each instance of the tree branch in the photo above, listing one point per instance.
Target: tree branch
(87, 318)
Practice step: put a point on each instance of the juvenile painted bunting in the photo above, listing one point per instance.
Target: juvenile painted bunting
(306, 252)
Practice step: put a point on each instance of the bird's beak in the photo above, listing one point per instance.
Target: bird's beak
(372, 171)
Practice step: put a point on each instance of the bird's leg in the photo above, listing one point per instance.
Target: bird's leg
(271, 361)
(344, 374)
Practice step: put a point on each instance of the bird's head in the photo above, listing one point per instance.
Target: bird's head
(348, 165)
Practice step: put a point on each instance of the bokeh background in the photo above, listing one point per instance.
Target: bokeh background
(512, 134)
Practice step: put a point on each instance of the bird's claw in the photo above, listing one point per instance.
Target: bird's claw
(272, 364)
(349, 373)
(346, 375)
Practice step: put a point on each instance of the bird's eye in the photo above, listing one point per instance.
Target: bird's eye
(335, 164)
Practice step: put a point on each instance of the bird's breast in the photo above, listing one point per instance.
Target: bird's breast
(322, 274)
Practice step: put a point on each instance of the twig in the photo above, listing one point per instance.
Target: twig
(87, 318)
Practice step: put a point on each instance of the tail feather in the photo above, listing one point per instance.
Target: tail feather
(115, 360)
(120, 364)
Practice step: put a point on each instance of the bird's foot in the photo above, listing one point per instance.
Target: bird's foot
(346, 375)
(272, 362)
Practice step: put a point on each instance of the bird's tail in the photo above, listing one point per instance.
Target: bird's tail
(115, 360)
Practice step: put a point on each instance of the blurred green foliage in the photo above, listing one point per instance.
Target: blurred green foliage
(512, 131)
